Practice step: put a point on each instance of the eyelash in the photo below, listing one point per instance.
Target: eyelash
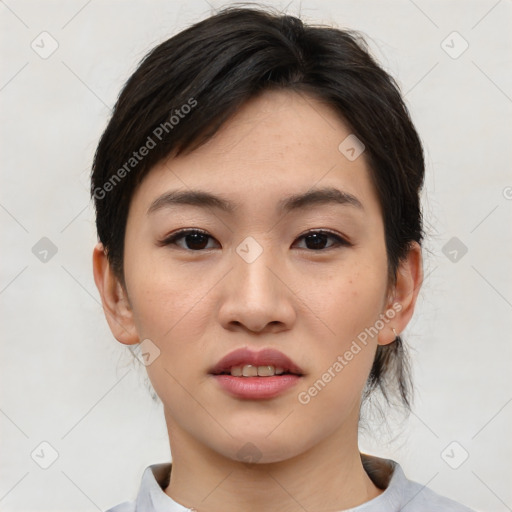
(181, 234)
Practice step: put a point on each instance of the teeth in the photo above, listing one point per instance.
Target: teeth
(250, 371)
(236, 371)
(266, 371)
(255, 371)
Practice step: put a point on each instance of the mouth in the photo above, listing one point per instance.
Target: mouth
(264, 363)
(249, 370)
(256, 375)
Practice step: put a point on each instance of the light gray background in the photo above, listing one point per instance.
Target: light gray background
(66, 381)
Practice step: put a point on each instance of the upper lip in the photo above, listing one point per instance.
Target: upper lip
(265, 357)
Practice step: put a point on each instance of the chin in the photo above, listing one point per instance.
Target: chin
(262, 449)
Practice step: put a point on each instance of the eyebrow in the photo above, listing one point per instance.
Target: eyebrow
(318, 196)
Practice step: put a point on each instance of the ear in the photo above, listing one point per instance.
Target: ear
(114, 298)
(402, 298)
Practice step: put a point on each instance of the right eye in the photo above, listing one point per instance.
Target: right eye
(189, 239)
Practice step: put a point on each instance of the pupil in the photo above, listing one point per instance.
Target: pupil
(196, 241)
(318, 239)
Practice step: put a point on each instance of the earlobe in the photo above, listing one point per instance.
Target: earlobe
(116, 306)
(409, 278)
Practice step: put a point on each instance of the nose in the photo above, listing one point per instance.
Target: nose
(256, 296)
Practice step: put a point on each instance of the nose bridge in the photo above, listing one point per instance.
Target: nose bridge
(252, 260)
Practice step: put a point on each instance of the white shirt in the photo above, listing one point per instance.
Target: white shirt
(400, 494)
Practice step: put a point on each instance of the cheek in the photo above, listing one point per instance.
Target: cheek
(174, 314)
(165, 299)
(350, 305)
(350, 300)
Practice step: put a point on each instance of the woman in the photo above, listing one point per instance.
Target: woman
(257, 199)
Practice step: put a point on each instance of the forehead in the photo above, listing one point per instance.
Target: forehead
(277, 144)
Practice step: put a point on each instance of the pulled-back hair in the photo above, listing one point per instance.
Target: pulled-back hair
(189, 85)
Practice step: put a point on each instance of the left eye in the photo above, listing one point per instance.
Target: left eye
(189, 239)
(318, 240)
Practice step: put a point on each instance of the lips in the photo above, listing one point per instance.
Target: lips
(247, 375)
(265, 357)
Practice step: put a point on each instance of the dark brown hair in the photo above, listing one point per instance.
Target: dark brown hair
(189, 85)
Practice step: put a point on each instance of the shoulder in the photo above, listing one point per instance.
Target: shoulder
(403, 494)
(128, 506)
(418, 498)
(409, 496)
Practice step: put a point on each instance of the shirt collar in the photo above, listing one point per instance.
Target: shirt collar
(151, 497)
(385, 473)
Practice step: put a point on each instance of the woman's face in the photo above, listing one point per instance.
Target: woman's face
(259, 278)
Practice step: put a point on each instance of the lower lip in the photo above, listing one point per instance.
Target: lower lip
(257, 388)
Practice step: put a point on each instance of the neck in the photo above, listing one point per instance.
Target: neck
(329, 476)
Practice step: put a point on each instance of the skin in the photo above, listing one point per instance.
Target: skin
(197, 306)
